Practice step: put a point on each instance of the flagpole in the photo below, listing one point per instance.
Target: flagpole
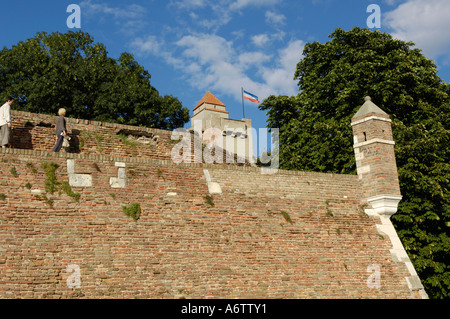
(242, 94)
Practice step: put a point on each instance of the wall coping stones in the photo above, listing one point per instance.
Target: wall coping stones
(69, 120)
(158, 162)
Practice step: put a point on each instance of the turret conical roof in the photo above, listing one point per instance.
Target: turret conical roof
(369, 108)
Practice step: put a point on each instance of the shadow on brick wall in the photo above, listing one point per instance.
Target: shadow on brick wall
(21, 136)
(74, 141)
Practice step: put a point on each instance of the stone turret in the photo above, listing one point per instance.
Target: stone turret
(375, 158)
(377, 169)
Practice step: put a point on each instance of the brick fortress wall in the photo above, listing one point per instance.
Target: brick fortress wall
(37, 132)
(286, 235)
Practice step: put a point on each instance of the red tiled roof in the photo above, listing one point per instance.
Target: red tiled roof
(210, 99)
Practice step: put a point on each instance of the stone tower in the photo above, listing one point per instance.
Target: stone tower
(377, 170)
(236, 136)
(210, 110)
(375, 158)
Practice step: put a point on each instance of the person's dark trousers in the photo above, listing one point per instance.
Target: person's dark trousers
(59, 143)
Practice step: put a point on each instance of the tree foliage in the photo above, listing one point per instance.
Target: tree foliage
(315, 132)
(69, 70)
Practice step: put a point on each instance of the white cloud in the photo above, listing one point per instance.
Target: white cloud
(151, 45)
(148, 45)
(130, 17)
(238, 34)
(188, 4)
(220, 67)
(215, 15)
(260, 40)
(207, 48)
(248, 59)
(281, 77)
(426, 23)
(219, 12)
(240, 4)
(211, 62)
(215, 56)
(275, 18)
(392, 2)
(132, 11)
(291, 55)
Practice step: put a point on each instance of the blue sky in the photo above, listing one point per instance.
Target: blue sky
(192, 46)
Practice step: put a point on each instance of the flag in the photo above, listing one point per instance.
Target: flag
(250, 97)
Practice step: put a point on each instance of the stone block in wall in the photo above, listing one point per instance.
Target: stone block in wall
(77, 180)
(120, 180)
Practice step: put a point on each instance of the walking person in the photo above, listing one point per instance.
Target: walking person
(61, 130)
(5, 122)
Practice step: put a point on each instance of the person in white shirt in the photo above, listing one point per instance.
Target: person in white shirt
(5, 122)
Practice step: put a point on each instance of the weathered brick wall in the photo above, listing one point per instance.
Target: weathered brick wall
(37, 132)
(236, 244)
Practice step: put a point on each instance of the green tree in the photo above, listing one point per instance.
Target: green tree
(69, 70)
(315, 133)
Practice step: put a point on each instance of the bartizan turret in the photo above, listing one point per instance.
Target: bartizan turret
(377, 170)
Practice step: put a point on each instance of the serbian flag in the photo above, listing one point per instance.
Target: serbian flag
(250, 97)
